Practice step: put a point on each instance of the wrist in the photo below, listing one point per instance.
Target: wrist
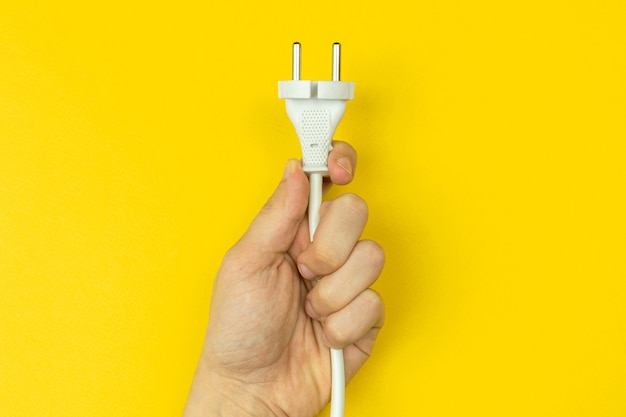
(214, 395)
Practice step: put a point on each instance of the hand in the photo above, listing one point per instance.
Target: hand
(272, 322)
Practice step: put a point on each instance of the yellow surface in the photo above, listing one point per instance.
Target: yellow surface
(138, 139)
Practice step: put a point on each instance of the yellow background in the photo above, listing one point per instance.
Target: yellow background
(138, 139)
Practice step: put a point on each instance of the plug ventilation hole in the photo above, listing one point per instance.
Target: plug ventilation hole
(315, 135)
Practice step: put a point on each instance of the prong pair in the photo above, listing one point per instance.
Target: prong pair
(336, 61)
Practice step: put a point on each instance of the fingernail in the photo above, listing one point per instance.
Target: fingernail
(290, 167)
(309, 310)
(306, 272)
(345, 164)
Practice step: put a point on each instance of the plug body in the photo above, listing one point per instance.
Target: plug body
(315, 108)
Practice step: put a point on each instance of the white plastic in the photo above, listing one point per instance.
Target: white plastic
(338, 387)
(337, 372)
(315, 109)
(315, 202)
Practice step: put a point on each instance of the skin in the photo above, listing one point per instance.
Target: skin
(279, 302)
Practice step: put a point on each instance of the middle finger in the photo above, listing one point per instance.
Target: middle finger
(341, 223)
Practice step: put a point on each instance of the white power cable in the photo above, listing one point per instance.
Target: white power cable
(338, 378)
(316, 180)
(338, 392)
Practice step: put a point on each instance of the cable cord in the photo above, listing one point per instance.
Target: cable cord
(338, 379)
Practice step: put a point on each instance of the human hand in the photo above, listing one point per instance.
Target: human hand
(279, 302)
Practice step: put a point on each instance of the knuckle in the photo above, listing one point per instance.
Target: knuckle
(372, 298)
(365, 313)
(355, 204)
(328, 256)
(374, 302)
(321, 298)
(335, 333)
(373, 253)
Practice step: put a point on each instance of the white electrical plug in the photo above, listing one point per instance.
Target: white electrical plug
(315, 109)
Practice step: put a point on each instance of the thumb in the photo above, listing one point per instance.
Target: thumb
(275, 227)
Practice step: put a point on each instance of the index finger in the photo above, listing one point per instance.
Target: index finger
(341, 163)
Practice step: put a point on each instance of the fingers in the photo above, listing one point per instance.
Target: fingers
(357, 353)
(355, 329)
(342, 163)
(338, 289)
(274, 228)
(346, 305)
(353, 322)
(342, 300)
(341, 223)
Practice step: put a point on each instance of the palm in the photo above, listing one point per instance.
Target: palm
(263, 335)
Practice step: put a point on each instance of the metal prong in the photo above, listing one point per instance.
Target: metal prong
(296, 61)
(336, 60)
